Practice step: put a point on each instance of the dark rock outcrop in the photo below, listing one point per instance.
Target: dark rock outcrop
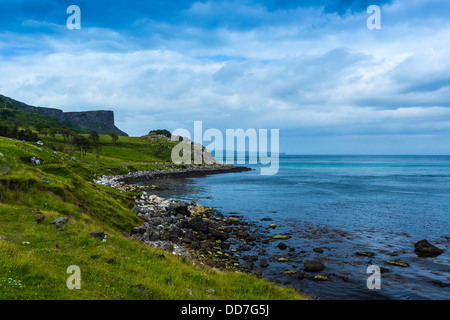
(425, 249)
(101, 121)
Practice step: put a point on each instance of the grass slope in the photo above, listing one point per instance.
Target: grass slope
(34, 261)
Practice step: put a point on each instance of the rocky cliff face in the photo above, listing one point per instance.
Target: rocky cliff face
(101, 121)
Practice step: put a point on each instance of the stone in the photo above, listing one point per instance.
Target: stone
(398, 263)
(263, 263)
(318, 250)
(4, 238)
(211, 291)
(60, 222)
(314, 266)
(365, 254)
(282, 246)
(161, 256)
(281, 237)
(425, 249)
(39, 218)
(98, 234)
(321, 278)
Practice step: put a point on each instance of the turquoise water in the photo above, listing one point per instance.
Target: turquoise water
(346, 204)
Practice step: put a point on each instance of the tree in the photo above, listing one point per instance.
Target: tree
(114, 137)
(82, 144)
(97, 146)
(163, 132)
(94, 136)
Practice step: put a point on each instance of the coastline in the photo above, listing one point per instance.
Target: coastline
(202, 234)
(188, 171)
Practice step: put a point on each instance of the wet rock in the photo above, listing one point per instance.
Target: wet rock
(258, 273)
(98, 234)
(291, 272)
(263, 263)
(365, 254)
(198, 224)
(282, 246)
(321, 278)
(281, 237)
(425, 249)
(300, 275)
(398, 263)
(272, 225)
(318, 250)
(283, 260)
(60, 222)
(314, 266)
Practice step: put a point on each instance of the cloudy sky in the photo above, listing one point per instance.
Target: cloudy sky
(311, 69)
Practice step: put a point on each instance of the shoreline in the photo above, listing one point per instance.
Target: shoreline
(190, 171)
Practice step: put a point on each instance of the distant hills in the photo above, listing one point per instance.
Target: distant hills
(101, 121)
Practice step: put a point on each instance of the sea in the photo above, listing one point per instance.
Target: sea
(342, 205)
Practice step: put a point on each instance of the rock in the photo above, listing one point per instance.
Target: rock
(365, 254)
(314, 266)
(281, 237)
(198, 224)
(39, 218)
(291, 271)
(283, 260)
(60, 222)
(99, 234)
(300, 275)
(211, 292)
(161, 256)
(272, 225)
(263, 263)
(318, 250)
(258, 273)
(425, 249)
(321, 278)
(282, 246)
(4, 238)
(398, 263)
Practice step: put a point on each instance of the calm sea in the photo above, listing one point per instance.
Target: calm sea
(345, 204)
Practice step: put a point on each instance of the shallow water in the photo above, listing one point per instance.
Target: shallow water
(343, 204)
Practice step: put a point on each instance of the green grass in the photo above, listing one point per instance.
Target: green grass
(34, 261)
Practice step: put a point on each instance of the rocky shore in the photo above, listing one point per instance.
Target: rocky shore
(181, 172)
(204, 234)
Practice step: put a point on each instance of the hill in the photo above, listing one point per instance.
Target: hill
(101, 121)
(35, 254)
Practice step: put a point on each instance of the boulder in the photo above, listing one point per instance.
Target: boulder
(39, 218)
(60, 222)
(282, 246)
(99, 234)
(425, 249)
(314, 266)
(263, 263)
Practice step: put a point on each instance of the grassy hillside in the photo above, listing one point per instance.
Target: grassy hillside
(34, 259)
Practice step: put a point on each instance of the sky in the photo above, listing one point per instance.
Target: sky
(312, 69)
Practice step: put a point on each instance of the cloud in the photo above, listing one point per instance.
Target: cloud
(312, 68)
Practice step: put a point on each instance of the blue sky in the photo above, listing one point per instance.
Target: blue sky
(311, 69)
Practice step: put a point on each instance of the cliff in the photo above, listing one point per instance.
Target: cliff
(101, 121)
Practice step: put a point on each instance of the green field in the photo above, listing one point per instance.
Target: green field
(35, 258)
